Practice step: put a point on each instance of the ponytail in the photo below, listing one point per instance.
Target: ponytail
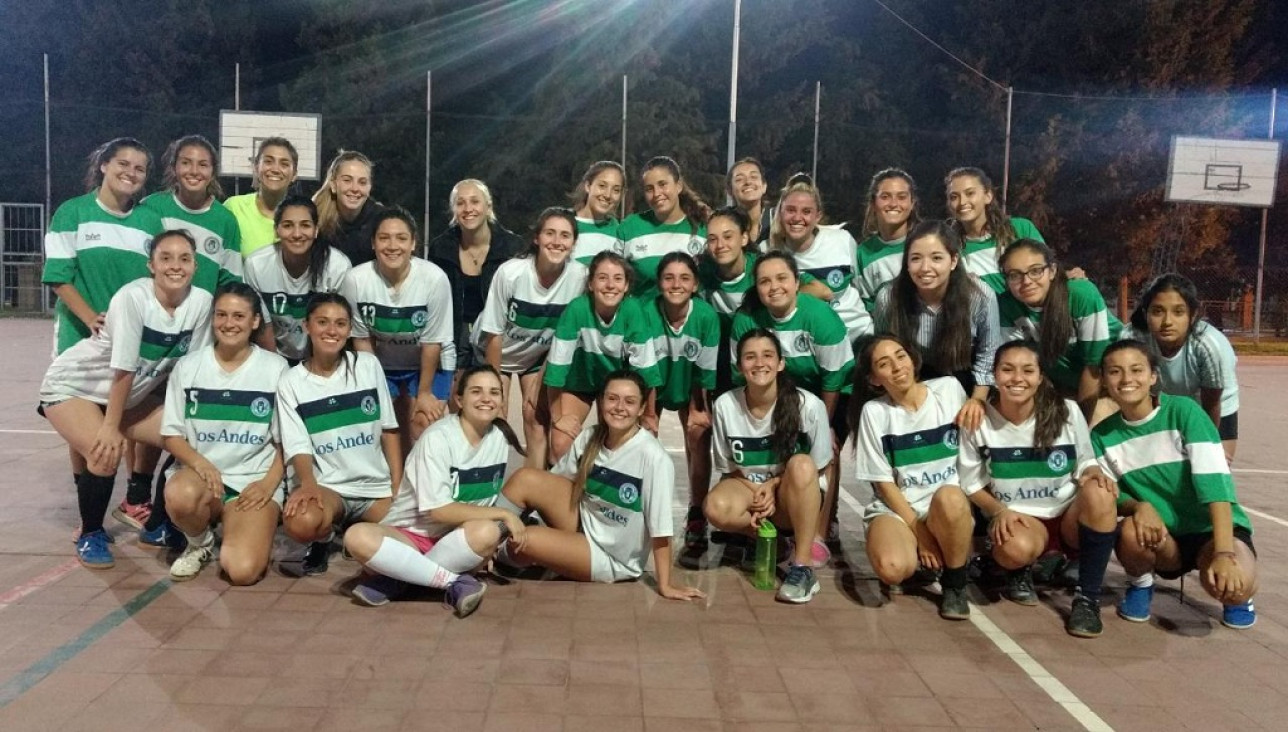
(500, 423)
(694, 208)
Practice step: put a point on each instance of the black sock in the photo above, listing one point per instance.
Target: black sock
(954, 578)
(139, 489)
(93, 496)
(1094, 548)
(158, 515)
(696, 514)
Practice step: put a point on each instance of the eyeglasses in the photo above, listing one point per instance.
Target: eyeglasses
(1034, 273)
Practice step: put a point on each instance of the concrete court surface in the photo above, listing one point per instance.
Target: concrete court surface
(127, 649)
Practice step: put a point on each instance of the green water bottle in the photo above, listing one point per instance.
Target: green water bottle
(766, 575)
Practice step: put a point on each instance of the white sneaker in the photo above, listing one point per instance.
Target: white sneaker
(189, 564)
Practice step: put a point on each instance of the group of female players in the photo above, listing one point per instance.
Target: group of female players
(303, 366)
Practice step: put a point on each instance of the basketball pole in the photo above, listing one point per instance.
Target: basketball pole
(818, 98)
(621, 205)
(237, 107)
(1265, 215)
(429, 91)
(733, 94)
(1006, 152)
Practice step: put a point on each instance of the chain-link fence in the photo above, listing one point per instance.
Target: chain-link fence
(22, 235)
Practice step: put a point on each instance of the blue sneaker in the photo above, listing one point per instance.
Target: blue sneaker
(1239, 616)
(377, 590)
(93, 552)
(1135, 604)
(164, 536)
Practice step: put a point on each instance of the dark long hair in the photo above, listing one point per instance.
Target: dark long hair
(234, 288)
(319, 252)
(266, 143)
(864, 390)
(952, 345)
(600, 434)
(499, 422)
(786, 434)
(170, 159)
(103, 153)
(1050, 410)
(760, 168)
(605, 257)
(996, 222)
(552, 212)
(1056, 328)
(580, 196)
(740, 218)
(349, 355)
(751, 301)
(870, 213)
(695, 210)
(1170, 282)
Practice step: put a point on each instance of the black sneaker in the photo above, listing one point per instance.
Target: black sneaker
(1084, 618)
(1019, 587)
(317, 559)
(953, 605)
(695, 541)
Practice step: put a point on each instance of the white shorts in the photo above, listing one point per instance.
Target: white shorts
(603, 568)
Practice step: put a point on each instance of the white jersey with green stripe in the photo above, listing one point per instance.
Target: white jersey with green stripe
(286, 298)
(1094, 327)
(980, 254)
(741, 442)
(1037, 482)
(726, 296)
(916, 451)
(594, 237)
(524, 314)
(880, 261)
(338, 421)
(218, 238)
(815, 343)
(139, 336)
(97, 252)
(832, 258)
(645, 241)
(686, 356)
(400, 320)
(627, 497)
(586, 349)
(1205, 361)
(1171, 459)
(445, 468)
(230, 418)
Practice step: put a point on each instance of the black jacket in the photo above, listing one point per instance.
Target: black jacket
(354, 237)
(444, 251)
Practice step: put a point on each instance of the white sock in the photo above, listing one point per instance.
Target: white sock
(205, 538)
(1145, 580)
(402, 562)
(454, 557)
(503, 502)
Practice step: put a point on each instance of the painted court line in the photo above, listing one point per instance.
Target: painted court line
(27, 432)
(1053, 687)
(1266, 516)
(36, 672)
(1258, 471)
(38, 582)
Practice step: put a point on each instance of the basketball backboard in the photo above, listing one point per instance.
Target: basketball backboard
(1223, 172)
(241, 132)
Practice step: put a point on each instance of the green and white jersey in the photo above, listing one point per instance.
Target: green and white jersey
(686, 357)
(286, 298)
(832, 258)
(338, 420)
(524, 314)
(219, 258)
(980, 255)
(917, 451)
(97, 252)
(139, 336)
(255, 228)
(627, 498)
(880, 261)
(1172, 460)
(815, 343)
(1000, 456)
(645, 241)
(230, 418)
(594, 237)
(1094, 327)
(740, 441)
(1206, 361)
(586, 349)
(399, 320)
(725, 296)
(445, 468)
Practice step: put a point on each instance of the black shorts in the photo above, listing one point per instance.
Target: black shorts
(841, 421)
(1229, 427)
(1189, 546)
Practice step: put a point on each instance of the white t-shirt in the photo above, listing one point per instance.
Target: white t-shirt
(916, 451)
(833, 259)
(524, 314)
(139, 336)
(228, 417)
(400, 321)
(1205, 361)
(1000, 456)
(741, 442)
(286, 298)
(338, 420)
(445, 468)
(627, 500)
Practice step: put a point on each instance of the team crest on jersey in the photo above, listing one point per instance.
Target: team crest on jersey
(950, 439)
(419, 318)
(1057, 461)
(696, 245)
(835, 278)
(182, 346)
(628, 493)
(804, 343)
(368, 405)
(211, 246)
(260, 407)
(691, 350)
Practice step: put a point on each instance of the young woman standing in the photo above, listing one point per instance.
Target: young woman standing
(986, 229)
(725, 278)
(346, 210)
(748, 186)
(276, 166)
(595, 202)
(673, 223)
(891, 212)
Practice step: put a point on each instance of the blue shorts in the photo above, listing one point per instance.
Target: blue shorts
(403, 383)
(442, 387)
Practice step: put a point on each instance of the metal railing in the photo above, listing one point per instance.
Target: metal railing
(22, 256)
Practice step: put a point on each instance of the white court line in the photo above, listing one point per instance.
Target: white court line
(1058, 692)
(1265, 516)
(1258, 471)
(28, 432)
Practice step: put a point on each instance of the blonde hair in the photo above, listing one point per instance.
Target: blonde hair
(799, 183)
(328, 209)
(483, 189)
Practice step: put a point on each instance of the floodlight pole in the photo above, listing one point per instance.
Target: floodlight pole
(1006, 154)
(733, 93)
(818, 96)
(237, 107)
(1265, 214)
(429, 90)
(49, 187)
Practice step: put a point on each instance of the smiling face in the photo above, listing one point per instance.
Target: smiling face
(481, 398)
(555, 240)
(892, 369)
(1017, 375)
(1028, 276)
(470, 207)
(1128, 379)
(352, 186)
(747, 184)
(604, 193)
(275, 169)
(125, 173)
(1169, 319)
(194, 168)
(621, 405)
(296, 230)
(930, 264)
(172, 264)
(235, 320)
(677, 283)
(393, 244)
(662, 191)
(800, 214)
(776, 285)
(328, 328)
(608, 285)
(759, 362)
(967, 200)
(893, 202)
(725, 241)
